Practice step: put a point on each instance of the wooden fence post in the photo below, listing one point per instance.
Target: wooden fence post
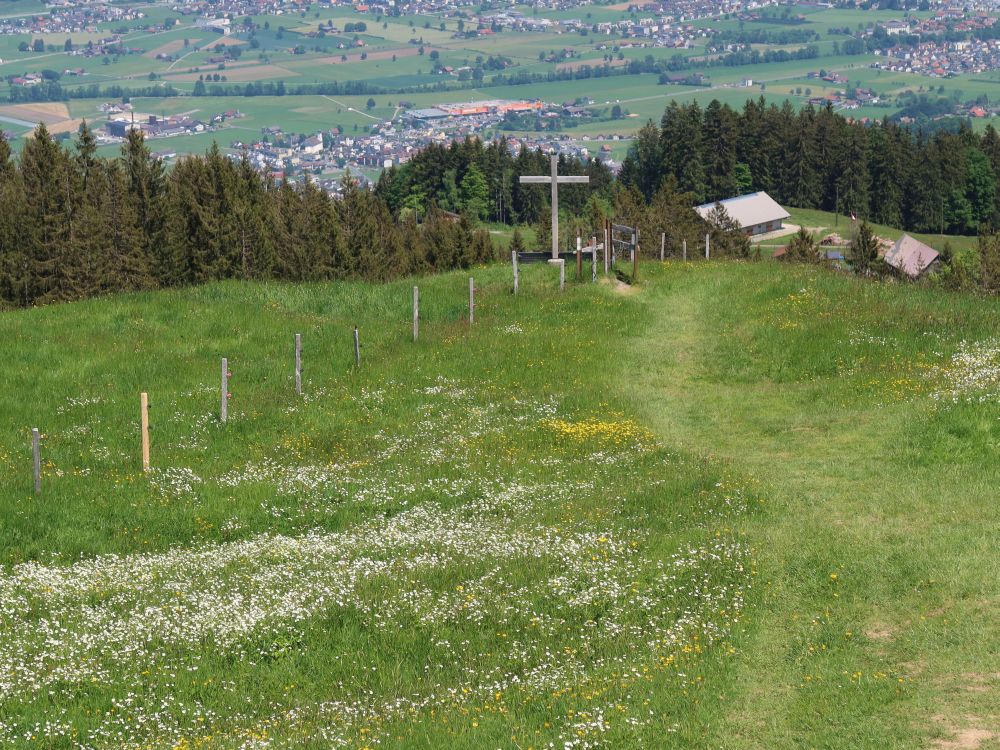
(298, 363)
(472, 300)
(416, 312)
(562, 274)
(593, 258)
(707, 240)
(513, 261)
(224, 392)
(607, 241)
(635, 259)
(357, 348)
(663, 244)
(36, 455)
(684, 249)
(579, 260)
(144, 428)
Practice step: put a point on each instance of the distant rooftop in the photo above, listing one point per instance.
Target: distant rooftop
(910, 256)
(430, 113)
(748, 210)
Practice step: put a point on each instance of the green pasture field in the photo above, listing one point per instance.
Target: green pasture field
(640, 95)
(464, 528)
(820, 20)
(734, 505)
(195, 143)
(823, 222)
(20, 7)
(394, 32)
(868, 412)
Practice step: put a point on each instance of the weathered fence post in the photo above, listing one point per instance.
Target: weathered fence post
(224, 392)
(663, 244)
(607, 251)
(593, 258)
(36, 455)
(416, 312)
(357, 348)
(472, 300)
(579, 259)
(684, 249)
(562, 274)
(707, 240)
(635, 259)
(298, 363)
(144, 428)
(513, 261)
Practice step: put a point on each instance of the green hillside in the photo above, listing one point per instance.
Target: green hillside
(738, 505)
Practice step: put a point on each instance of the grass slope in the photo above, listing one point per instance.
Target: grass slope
(467, 542)
(824, 222)
(874, 429)
(748, 506)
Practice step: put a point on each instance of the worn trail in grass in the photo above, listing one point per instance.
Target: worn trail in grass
(874, 431)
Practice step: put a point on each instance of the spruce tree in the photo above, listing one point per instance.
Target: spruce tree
(130, 267)
(147, 199)
(51, 265)
(252, 222)
(719, 151)
(727, 238)
(803, 248)
(13, 272)
(864, 250)
(86, 154)
(643, 167)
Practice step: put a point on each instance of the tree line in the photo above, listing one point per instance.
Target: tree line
(53, 91)
(814, 158)
(74, 225)
(483, 181)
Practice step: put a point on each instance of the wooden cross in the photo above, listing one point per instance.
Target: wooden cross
(555, 180)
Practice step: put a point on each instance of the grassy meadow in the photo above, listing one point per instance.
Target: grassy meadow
(821, 223)
(736, 505)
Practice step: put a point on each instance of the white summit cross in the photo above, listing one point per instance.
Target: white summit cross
(556, 180)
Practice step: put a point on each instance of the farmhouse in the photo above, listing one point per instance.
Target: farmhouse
(756, 213)
(911, 257)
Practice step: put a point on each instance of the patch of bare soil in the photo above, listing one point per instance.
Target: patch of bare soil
(881, 631)
(968, 738)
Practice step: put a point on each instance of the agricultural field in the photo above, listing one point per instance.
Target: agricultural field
(396, 60)
(390, 60)
(605, 517)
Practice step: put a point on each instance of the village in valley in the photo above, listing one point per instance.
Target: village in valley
(390, 78)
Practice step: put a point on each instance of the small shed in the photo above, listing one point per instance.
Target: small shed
(910, 257)
(756, 213)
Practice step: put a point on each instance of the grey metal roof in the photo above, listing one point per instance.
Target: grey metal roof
(431, 113)
(910, 256)
(748, 210)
